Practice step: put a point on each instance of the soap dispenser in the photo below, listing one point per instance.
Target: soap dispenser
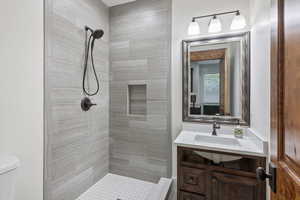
(238, 130)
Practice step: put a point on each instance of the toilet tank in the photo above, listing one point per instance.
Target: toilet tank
(8, 170)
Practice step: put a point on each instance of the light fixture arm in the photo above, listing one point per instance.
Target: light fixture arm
(237, 12)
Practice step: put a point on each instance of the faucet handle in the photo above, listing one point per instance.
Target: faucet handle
(217, 125)
(216, 116)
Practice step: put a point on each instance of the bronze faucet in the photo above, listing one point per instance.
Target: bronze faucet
(216, 126)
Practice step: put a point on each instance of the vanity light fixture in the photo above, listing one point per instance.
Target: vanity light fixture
(194, 28)
(238, 22)
(215, 24)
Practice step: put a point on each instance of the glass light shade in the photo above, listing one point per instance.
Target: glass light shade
(194, 28)
(215, 25)
(239, 22)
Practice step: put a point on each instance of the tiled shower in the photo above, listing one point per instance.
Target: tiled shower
(140, 61)
(128, 132)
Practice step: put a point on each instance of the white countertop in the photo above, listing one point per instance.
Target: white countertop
(249, 145)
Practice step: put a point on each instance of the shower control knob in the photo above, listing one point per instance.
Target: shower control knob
(86, 104)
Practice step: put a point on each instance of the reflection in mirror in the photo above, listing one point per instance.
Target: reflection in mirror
(205, 87)
(216, 74)
(212, 91)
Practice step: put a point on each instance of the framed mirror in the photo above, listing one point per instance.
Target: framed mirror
(216, 79)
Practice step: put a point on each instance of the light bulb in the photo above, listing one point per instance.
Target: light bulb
(238, 22)
(194, 28)
(215, 25)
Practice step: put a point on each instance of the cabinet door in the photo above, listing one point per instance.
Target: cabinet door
(190, 196)
(193, 180)
(231, 187)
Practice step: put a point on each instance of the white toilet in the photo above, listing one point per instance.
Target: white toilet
(8, 169)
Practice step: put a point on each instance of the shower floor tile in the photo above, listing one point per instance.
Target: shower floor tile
(115, 187)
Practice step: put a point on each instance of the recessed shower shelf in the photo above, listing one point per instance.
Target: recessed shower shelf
(137, 100)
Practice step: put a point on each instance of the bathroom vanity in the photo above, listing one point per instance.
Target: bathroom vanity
(216, 91)
(218, 167)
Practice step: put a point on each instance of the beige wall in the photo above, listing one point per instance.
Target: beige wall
(21, 86)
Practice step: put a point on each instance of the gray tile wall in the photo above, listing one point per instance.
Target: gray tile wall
(76, 143)
(140, 49)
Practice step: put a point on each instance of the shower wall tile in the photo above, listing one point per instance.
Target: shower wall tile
(77, 142)
(68, 188)
(140, 46)
(157, 107)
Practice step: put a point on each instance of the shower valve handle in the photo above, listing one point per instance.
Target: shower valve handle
(86, 104)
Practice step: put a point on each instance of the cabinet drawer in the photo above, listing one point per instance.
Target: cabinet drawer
(193, 180)
(190, 196)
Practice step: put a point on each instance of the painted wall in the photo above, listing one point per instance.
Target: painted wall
(260, 67)
(77, 142)
(21, 86)
(182, 14)
(140, 54)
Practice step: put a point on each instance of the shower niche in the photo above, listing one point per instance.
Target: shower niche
(137, 99)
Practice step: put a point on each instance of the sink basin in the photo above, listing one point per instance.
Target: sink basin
(217, 140)
(218, 158)
(223, 142)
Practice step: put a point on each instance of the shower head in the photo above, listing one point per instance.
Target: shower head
(97, 34)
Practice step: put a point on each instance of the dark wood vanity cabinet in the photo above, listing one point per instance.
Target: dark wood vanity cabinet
(200, 178)
(230, 187)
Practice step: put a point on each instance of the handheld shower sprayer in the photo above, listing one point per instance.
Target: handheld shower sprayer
(89, 51)
(96, 35)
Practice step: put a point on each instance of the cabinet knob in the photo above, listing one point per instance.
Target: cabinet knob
(262, 175)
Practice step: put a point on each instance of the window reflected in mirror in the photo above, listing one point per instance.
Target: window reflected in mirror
(205, 87)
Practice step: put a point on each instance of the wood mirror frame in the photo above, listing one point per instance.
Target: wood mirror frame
(244, 39)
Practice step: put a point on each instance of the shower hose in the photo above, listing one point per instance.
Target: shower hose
(89, 48)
